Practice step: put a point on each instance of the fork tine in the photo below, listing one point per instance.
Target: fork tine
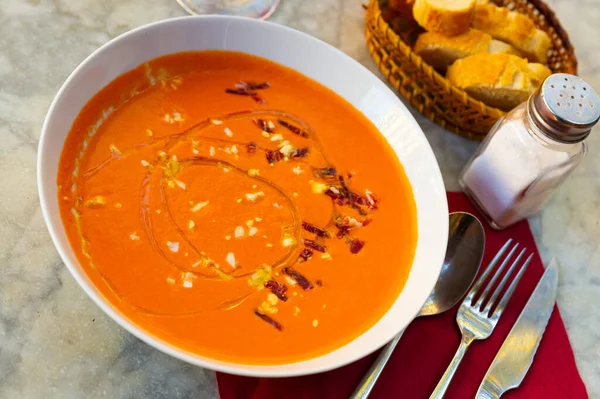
(497, 274)
(511, 289)
(508, 275)
(486, 272)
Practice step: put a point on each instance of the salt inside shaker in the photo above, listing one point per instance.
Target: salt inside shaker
(531, 150)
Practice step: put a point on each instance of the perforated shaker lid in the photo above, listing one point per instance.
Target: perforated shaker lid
(565, 107)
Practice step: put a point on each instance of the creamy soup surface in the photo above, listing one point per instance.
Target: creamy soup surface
(236, 208)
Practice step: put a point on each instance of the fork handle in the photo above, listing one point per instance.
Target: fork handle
(440, 389)
(367, 383)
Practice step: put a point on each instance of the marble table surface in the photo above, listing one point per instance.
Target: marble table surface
(55, 343)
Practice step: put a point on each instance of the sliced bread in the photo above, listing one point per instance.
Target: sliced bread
(514, 28)
(441, 51)
(499, 80)
(449, 17)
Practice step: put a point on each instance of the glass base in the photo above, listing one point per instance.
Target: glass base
(479, 206)
(258, 9)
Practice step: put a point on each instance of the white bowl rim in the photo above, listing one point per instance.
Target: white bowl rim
(227, 367)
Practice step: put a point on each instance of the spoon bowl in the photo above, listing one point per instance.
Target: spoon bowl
(466, 243)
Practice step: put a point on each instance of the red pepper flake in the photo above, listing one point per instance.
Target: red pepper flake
(358, 209)
(366, 222)
(300, 152)
(261, 123)
(251, 147)
(315, 245)
(238, 92)
(311, 228)
(356, 245)
(273, 156)
(364, 6)
(249, 89)
(324, 173)
(293, 129)
(269, 320)
(277, 289)
(335, 194)
(256, 86)
(342, 195)
(304, 255)
(319, 283)
(299, 278)
(343, 183)
(257, 98)
(357, 199)
(343, 231)
(371, 200)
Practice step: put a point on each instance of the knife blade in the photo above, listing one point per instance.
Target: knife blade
(516, 354)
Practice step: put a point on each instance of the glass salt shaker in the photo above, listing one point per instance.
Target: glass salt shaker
(531, 150)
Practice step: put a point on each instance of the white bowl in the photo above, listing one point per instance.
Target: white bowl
(314, 59)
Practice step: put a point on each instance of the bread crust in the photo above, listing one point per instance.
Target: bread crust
(441, 51)
(499, 80)
(514, 28)
(437, 16)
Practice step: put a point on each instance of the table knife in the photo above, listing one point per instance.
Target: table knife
(516, 354)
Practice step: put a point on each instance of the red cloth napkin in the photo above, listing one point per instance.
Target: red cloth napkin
(429, 344)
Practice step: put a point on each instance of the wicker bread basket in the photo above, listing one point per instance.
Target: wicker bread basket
(430, 92)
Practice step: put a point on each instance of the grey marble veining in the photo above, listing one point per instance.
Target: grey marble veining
(55, 343)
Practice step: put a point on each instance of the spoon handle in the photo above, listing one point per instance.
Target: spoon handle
(365, 386)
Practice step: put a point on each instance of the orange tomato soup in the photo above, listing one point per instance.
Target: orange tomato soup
(235, 208)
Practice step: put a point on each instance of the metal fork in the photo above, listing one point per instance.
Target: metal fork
(476, 321)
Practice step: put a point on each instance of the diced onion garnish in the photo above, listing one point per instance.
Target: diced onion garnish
(238, 232)
(290, 281)
(272, 299)
(114, 149)
(318, 187)
(199, 205)
(180, 184)
(96, 201)
(230, 258)
(286, 150)
(173, 246)
(288, 241)
(297, 170)
(253, 197)
(188, 279)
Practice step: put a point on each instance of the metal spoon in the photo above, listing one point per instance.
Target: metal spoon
(466, 242)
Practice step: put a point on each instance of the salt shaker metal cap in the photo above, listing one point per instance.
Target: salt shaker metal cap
(565, 108)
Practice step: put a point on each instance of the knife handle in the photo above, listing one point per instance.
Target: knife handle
(442, 386)
(367, 383)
